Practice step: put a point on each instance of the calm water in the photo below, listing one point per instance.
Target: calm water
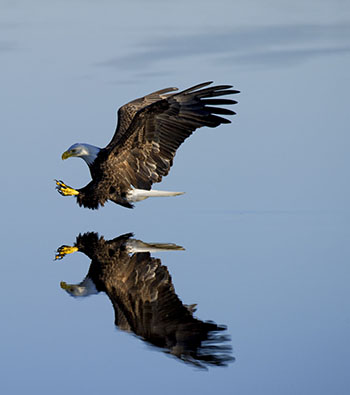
(264, 221)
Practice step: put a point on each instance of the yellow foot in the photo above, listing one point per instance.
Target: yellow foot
(64, 285)
(64, 189)
(63, 251)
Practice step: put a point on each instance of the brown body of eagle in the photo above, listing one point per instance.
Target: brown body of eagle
(149, 131)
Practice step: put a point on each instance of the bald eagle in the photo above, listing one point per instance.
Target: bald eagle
(149, 131)
(144, 299)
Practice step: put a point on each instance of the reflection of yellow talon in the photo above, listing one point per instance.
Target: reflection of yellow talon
(65, 190)
(63, 251)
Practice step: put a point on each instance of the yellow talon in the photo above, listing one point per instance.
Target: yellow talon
(65, 190)
(63, 251)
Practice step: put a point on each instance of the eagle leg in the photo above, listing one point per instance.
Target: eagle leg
(63, 251)
(64, 189)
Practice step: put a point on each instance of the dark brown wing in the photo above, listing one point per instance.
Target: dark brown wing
(144, 152)
(127, 112)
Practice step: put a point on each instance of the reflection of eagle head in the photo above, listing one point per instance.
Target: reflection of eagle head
(85, 288)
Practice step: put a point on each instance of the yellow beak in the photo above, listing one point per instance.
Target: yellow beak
(66, 155)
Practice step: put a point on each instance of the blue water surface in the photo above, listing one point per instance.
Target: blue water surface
(265, 217)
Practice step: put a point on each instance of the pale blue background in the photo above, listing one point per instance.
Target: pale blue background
(265, 220)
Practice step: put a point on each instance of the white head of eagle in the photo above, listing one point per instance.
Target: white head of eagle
(87, 152)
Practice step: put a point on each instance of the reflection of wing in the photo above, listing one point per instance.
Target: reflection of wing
(145, 303)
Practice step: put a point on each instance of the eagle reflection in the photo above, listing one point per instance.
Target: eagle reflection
(144, 299)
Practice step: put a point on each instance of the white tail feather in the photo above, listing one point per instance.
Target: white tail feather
(140, 246)
(135, 195)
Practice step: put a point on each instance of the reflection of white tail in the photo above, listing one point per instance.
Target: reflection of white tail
(140, 246)
(135, 195)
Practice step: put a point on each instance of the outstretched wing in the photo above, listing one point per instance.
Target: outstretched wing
(127, 112)
(144, 153)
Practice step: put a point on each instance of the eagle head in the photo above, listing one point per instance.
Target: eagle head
(87, 152)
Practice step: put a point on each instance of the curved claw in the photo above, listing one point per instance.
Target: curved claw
(64, 189)
(63, 251)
